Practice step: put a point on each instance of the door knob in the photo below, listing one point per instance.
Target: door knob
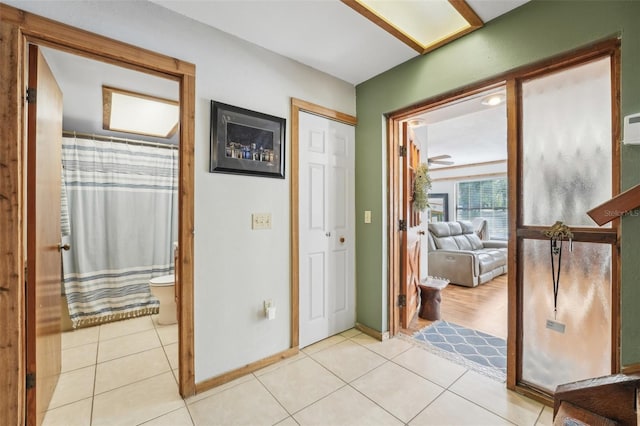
(420, 232)
(65, 247)
(342, 240)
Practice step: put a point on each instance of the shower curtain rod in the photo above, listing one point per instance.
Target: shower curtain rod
(70, 133)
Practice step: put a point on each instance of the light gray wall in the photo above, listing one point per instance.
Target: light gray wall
(235, 268)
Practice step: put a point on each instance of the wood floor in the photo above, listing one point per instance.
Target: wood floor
(482, 308)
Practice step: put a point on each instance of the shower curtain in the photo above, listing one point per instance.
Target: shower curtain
(122, 214)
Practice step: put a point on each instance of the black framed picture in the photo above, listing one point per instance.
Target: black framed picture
(439, 205)
(246, 142)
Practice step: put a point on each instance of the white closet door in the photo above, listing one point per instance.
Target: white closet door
(327, 228)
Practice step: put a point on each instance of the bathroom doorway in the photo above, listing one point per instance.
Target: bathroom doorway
(119, 225)
(26, 28)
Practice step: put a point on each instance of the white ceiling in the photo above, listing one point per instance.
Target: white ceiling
(324, 34)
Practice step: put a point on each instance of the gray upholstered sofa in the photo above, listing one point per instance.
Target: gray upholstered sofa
(458, 254)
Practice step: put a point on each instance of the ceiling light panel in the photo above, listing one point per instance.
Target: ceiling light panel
(425, 21)
(130, 112)
(423, 25)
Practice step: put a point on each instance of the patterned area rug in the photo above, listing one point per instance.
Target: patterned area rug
(473, 349)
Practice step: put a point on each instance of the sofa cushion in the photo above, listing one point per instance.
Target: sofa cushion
(446, 243)
(466, 226)
(474, 240)
(440, 229)
(463, 242)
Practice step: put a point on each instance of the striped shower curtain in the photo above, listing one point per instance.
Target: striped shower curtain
(122, 213)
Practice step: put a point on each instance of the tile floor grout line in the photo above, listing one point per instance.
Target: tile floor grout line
(350, 384)
(274, 397)
(478, 405)
(428, 405)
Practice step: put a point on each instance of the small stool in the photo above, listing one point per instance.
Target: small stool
(430, 297)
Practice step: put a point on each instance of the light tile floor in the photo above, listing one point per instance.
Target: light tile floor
(125, 373)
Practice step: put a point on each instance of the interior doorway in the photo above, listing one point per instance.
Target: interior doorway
(27, 28)
(111, 259)
(596, 68)
(463, 146)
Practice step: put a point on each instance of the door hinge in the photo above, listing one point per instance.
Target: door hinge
(31, 380)
(402, 225)
(31, 95)
(402, 151)
(402, 300)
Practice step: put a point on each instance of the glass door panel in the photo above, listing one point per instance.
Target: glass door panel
(566, 157)
(583, 350)
(566, 144)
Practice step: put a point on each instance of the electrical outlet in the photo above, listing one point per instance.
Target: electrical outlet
(261, 221)
(367, 216)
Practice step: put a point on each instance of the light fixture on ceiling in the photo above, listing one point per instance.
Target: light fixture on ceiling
(423, 25)
(131, 112)
(493, 99)
(416, 122)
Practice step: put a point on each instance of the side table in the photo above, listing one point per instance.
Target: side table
(430, 297)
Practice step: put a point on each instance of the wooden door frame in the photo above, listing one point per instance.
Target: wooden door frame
(510, 79)
(297, 106)
(17, 28)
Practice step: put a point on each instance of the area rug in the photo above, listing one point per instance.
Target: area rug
(472, 349)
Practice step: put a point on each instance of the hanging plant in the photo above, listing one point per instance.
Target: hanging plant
(421, 187)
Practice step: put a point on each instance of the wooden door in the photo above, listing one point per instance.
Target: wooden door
(327, 222)
(410, 233)
(44, 167)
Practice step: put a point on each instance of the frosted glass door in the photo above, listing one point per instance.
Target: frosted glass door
(566, 171)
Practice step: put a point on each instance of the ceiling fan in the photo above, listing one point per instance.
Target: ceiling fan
(440, 159)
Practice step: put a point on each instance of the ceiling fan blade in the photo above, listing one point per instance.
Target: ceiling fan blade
(439, 157)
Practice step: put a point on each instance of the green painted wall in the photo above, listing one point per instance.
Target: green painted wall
(535, 31)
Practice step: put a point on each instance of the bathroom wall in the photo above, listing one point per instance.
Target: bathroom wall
(235, 268)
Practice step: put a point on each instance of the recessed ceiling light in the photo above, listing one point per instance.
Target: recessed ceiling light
(130, 112)
(493, 99)
(416, 122)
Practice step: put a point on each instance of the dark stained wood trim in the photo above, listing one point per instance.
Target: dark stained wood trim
(16, 28)
(51, 33)
(382, 23)
(584, 54)
(616, 175)
(514, 340)
(461, 7)
(616, 207)
(467, 13)
(602, 236)
(608, 48)
(243, 371)
(12, 243)
(294, 207)
(393, 214)
(371, 332)
(324, 112)
(186, 229)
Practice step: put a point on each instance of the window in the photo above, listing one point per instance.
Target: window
(486, 199)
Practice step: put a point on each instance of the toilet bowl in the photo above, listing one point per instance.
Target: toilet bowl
(163, 288)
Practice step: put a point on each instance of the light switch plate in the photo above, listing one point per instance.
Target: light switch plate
(367, 216)
(261, 221)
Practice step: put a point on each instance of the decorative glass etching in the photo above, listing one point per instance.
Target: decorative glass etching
(567, 170)
(549, 357)
(567, 144)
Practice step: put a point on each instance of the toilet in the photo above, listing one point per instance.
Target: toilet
(163, 288)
